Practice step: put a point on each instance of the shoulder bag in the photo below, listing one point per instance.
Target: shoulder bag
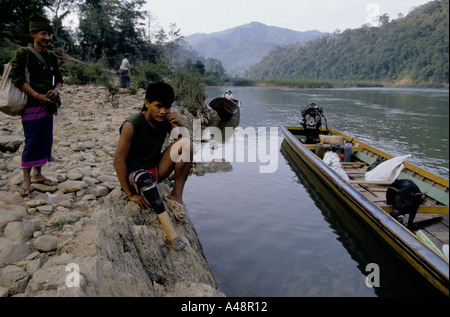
(12, 99)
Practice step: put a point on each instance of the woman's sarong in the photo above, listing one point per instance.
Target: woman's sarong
(38, 130)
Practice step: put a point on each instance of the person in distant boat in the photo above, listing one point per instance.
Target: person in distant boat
(124, 71)
(142, 137)
(229, 95)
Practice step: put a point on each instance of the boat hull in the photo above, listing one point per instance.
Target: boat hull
(433, 267)
(225, 108)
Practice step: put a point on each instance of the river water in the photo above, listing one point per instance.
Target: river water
(283, 234)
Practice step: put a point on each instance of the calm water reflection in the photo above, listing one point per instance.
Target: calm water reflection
(283, 234)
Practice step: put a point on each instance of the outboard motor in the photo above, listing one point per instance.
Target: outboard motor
(312, 117)
(311, 121)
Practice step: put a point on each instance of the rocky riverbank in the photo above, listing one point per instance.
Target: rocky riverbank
(82, 237)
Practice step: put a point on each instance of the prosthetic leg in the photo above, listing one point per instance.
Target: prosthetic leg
(146, 185)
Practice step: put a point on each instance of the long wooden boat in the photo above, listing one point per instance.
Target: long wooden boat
(419, 246)
(225, 108)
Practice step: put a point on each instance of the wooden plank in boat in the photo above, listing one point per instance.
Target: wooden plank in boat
(354, 163)
(440, 210)
(364, 182)
(365, 158)
(427, 220)
(436, 230)
(312, 147)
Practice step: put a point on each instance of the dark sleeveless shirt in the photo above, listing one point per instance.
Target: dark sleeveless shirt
(146, 145)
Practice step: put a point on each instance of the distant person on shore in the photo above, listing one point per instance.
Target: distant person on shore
(43, 100)
(124, 71)
(229, 95)
(142, 137)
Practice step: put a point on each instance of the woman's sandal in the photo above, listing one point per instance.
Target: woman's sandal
(23, 191)
(44, 181)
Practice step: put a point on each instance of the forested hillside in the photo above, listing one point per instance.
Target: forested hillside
(412, 49)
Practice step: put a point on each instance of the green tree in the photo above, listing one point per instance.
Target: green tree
(109, 28)
(215, 66)
(130, 30)
(63, 38)
(14, 18)
(96, 34)
(174, 39)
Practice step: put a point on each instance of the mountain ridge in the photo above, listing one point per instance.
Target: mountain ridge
(243, 46)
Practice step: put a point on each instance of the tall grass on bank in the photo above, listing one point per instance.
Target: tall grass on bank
(188, 84)
(293, 83)
(145, 73)
(189, 89)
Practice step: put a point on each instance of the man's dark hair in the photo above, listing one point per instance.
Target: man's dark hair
(161, 92)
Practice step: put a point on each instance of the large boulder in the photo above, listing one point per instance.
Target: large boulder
(122, 250)
(10, 143)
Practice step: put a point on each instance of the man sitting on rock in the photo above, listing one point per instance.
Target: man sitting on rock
(142, 137)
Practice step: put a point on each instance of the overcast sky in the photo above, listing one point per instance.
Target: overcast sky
(208, 16)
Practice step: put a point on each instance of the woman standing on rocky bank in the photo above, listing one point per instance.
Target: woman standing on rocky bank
(42, 90)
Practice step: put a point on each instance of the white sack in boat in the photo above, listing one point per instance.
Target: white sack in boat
(389, 170)
(331, 159)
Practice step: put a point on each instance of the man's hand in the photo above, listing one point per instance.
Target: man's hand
(139, 199)
(42, 99)
(173, 118)
(52, 94)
